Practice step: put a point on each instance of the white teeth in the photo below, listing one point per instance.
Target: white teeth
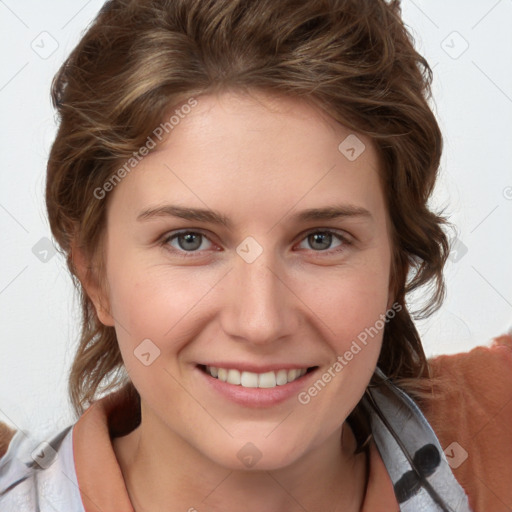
(292, 374)
(249, 380)
(256, 380)
(233, 377)
(267, 380)
(282, 377)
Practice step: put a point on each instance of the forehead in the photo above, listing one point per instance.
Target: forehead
(243, 124)
(233, 151)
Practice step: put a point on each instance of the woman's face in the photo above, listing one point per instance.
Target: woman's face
(250, 241)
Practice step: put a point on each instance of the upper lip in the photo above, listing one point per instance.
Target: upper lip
(254, 368)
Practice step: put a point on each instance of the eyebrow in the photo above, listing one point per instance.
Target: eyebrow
(213, 217)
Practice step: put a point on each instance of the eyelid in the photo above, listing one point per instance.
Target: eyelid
(338, 232)
(171, 235)
(344, 238)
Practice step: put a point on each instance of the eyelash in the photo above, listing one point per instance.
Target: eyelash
(190, 254)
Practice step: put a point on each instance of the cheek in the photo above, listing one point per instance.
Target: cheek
(349, 302)
(155, 303)
(353, 315)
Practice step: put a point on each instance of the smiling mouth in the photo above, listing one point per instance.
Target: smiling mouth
(246, 379)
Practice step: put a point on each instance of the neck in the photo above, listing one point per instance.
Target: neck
(329, 477)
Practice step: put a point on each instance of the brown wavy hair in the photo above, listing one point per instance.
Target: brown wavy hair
(354, 59)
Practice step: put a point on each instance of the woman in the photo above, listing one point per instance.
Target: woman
(240, 190)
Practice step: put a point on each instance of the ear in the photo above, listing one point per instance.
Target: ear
(92, 286)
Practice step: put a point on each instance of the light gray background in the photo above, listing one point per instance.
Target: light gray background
(469, 46)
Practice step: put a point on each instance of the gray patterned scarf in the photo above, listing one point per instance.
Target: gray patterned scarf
(414, 459)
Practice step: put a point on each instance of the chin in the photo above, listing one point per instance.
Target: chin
(262, 455)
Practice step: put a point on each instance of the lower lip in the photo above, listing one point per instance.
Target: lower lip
(257, 397)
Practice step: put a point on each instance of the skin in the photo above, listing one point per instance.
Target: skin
(258, 160)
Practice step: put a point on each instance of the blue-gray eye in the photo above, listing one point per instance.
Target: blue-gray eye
(322, 240)
(187, 241)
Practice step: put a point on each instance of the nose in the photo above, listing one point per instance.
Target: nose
(259, 307)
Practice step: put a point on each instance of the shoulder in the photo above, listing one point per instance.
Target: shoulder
(496, 355)
(471, 413)
(37, 475)
(479, 380)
